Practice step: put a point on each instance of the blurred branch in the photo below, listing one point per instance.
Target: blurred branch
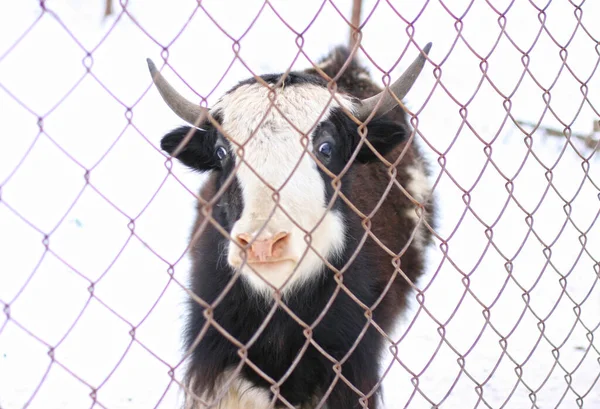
(108, 9)
(355, 21)
(591, 140)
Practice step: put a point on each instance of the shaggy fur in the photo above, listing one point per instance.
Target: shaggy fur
(343, 330)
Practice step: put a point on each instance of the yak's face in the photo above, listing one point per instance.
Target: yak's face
(277, 151)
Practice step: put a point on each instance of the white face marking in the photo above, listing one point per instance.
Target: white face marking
(420, 189)
(273, 150)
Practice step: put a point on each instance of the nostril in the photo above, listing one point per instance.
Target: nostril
(243, 239)
(280, 241)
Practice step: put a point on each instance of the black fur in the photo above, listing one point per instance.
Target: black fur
(198, 153)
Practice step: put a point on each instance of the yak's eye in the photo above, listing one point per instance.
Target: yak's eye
(326, 149)
(221, 152)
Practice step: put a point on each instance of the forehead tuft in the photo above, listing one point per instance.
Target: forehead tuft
(291, 79)
(252, 108)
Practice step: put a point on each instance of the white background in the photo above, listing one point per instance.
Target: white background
(117, 236)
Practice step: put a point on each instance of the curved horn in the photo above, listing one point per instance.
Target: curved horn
(186, 110)
(400, 88)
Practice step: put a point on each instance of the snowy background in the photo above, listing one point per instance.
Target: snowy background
(93, 227)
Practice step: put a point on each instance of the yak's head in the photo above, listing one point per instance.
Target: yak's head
(277, 142)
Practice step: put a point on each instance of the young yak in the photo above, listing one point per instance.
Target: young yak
(319, 238)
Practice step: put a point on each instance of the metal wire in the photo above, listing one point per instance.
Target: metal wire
(582, 144)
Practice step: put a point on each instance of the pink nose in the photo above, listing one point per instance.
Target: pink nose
(266, 250)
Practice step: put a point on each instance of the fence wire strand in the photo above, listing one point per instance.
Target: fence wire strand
(551, 127)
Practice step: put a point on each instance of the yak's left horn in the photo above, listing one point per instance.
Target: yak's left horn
(400, 88)
(188, 111)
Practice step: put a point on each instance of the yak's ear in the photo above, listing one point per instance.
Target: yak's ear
(198, 153)
(384, 135)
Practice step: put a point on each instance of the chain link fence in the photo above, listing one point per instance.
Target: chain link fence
(96, 220)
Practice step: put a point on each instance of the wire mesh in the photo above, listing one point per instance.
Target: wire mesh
(95, 219)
